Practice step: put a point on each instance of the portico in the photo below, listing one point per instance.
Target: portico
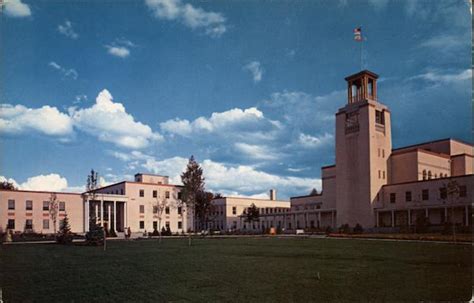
(108, 211)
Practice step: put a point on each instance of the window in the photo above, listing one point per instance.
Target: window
(45, 205)
(408, 196)
(425, 194)
(121, 191)
(180, 210)
(379, 117)
(142, 224)
(180, 196)
(62, 206)
(424, 174)
(393, 197)
(383, 174)
(462, 191)
(234, 210)
(167, 210)
(155, 209)
(380, 174)
(167, 224)
(11, 204)
(142, 193)
(29, 224)
(180, 225)
(167, 195)
(29, 205)
(155, 193)
(383, 153)
(11, 224)
(429, 174)
(142, 209)
(155, 225)
(45, 224)
(443, 193)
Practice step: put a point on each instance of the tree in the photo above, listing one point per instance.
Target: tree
(193, 183)
(204, 208)
(90, 194)
(252, 214)
(450, 194)
(158, 209)
(92, 180)
(313, 192)
(53, 209)
(7, 185)
(65, 235)
(95, 235)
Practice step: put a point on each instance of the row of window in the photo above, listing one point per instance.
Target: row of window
(155, 225)
(141, 193)
(155, 209)
(28, 224)
(381, 174)
(29, 205)
(425, 194)
(115, 192)
(427, 175)
(381, 152)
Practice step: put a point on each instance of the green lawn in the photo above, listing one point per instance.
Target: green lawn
(238, 270)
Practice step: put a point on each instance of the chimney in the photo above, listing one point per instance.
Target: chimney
(273, 194)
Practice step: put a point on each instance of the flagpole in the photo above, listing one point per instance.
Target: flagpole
(361, 44)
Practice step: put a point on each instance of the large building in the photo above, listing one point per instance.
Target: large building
(370, 184)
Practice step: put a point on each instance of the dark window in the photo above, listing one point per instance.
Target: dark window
(167, 210)
(142, 209)
(11, 204)
(155, 225)
(462, 191)
(62, 206)
(167, 195)
(379, 117)
(393, 197)
(180, 224)
(180, 210)
(45, 205)
(45, 224)
(142, 224)
(425, 194)
(155, 209)
(155, 193)
(29, 224)
(142, 193)
(121, 191)
(443, 193)
(180, 196)
(234, 210)
(424, 174)
(11, 224)
(167, 224)
(408, 196)
(29, 205)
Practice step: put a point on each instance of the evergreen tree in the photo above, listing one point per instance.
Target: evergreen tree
(95, 235)
(7, 185)
(65, 235)
(193, 183)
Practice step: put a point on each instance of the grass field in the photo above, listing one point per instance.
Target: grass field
(239, 270)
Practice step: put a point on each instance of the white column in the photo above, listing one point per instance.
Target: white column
(466, 213)
(96, 207)
(393, 218)
(125, 215)
(102, 212)
(115, 215)
(109, 216)
(86, 215)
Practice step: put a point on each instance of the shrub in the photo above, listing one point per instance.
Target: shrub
(358, 229)
(328, 230)
(421, 224)
(155, 233)
(65, 235)
(95, 235)
(163, 231)
(344, 229)
(112, 233)
(168, 231)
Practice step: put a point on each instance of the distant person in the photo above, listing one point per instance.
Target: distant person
(129, 233)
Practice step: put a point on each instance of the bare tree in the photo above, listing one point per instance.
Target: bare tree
(450, 194)
(159, 208)
(53, 209)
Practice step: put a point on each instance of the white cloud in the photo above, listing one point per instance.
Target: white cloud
(240, 179)
(79, 99)
(72, 73)
(47, 120)
(16, 8)
(212, 23)
(255, 69)
(118, 51)
(315, 142)
(257, 152)
(438, 77)
(51, 182)
(109, 122)
(67, 30)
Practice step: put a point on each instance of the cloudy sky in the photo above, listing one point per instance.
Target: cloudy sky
(249, 88)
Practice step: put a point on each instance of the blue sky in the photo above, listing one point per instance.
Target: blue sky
(248, 87)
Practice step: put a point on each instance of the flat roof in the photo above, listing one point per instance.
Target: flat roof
(430, 180)
(433, 141)
(41, 192)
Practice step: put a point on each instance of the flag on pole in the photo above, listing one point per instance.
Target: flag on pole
(358, 34)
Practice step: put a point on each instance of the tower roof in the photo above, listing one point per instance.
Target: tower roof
(364, 72)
